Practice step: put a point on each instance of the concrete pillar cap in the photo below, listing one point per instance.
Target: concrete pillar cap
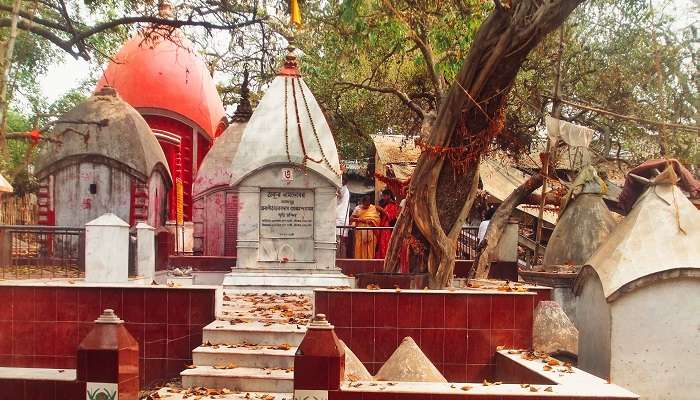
(319, 322)
(109, 317)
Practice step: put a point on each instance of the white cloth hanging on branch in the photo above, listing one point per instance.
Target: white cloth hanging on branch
(572, 134)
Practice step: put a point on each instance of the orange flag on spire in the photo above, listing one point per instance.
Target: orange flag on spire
(295, 13)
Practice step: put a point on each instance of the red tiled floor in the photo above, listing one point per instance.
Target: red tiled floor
(386, 306)
(178, 304)
(6, 299)
(455, 372)
(479, 349)
(409, 311)
(479, 311)
(88, 304)
(385, 342)
(112, 298)
(432, 342)
(362, 343)
(524, 306)
(502, 312)
(156, 304)
(23, 306)
(45, 338)
(456, 346)
(133, 301)
(23, 338)
(67, 340)
(362, 309)
(433, 311)
(46, 308)
(455, 311)
(501, 337)
(339, 306)
(66, 304)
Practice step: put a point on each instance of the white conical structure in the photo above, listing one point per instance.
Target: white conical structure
(287, 127)
(637, 313)
(286, 174)
(661, 233)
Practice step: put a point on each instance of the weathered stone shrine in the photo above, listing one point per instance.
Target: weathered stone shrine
(286, 173)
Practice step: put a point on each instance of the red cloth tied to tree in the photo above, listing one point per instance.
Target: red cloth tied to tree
(34, 136)
(633, 188)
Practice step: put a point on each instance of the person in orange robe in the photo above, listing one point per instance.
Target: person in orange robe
(389, 211)
(365, 214)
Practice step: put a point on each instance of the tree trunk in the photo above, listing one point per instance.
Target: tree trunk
(9, 46)
(498, 224)
(469, 117)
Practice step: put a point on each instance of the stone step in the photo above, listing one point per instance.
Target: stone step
(183, 394)
(284, 281)
(223, 332)
(240, 379)
(244, 357)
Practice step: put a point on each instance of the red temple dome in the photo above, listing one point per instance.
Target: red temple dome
(166, 74)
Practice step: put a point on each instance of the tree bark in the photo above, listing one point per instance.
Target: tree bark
(498, 224)
(472, 105)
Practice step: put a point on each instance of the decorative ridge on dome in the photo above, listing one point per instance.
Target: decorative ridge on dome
(244, 109)
(291, 65)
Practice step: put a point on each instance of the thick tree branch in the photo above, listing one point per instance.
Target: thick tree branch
(74, 41)
(498, 224)
(390, 90)
(423, 44)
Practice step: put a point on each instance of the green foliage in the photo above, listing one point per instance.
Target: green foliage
(362, 41)
(610, 61)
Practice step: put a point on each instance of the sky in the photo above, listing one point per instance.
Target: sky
(70, 73)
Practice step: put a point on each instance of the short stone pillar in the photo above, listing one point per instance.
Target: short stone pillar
(145, 251)
(108, 360)
(507, 249)
(504, 259)
(319, 364)
(107, 250)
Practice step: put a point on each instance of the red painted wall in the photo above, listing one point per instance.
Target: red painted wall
(457, 331)
(42, 326)
(180, 158)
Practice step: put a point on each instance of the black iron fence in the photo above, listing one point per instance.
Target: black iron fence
(347, 235)
(40, 252)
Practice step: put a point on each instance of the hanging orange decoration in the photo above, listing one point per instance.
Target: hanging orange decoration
(295, 13)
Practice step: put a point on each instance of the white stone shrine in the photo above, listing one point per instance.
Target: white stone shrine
(286, 172)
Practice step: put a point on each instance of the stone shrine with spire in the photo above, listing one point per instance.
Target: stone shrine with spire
(215, 206)
(286, 172)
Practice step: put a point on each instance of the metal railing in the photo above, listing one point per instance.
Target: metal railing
(41, 252)
(346, 236)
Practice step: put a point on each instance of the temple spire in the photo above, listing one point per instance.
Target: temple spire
(244, 109)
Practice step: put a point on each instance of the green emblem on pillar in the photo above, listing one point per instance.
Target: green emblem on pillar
(102, 391)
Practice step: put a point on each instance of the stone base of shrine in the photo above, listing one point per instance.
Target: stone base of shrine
(286, 279)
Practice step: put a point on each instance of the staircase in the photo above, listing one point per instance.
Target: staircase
(251, 345)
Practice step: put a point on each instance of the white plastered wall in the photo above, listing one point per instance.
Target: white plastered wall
(593, 317)
(249, 243)
(656, 340)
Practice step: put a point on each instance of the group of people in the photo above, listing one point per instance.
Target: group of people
(369, 243)
(374, 243)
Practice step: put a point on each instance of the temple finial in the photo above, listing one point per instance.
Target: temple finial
(244, 109)
(165, 9)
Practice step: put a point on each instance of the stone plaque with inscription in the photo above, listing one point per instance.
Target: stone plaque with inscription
(286, 214)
